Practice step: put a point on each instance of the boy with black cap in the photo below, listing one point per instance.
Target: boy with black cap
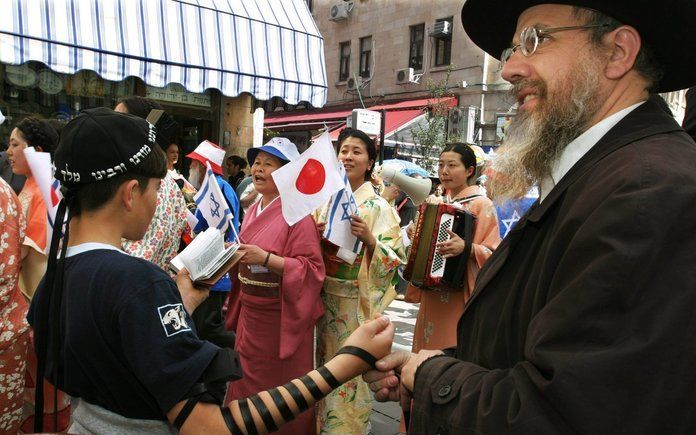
(121, 337)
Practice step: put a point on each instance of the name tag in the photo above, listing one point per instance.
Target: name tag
(257, 268)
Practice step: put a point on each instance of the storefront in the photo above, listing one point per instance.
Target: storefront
(207, 63)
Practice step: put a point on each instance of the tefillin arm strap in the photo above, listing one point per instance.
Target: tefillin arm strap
(287, 408)
(297, 403)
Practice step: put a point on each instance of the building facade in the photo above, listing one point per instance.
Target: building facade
(386, 50)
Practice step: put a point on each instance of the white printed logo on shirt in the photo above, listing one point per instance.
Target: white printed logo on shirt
(173, 318)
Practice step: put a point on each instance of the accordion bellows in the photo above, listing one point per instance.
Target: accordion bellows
(426, 268)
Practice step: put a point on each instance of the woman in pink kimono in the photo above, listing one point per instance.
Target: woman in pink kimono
(279, 278)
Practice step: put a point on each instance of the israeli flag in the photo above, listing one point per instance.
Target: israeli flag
(211, 204)
(341, 205)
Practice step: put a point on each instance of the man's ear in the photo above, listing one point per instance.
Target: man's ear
(624, 44)
(128, 192)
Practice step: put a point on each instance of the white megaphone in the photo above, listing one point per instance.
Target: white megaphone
(416, 188)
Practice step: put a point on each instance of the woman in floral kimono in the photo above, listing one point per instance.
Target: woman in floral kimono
(14, 329)
(354, 293)
(279, 282)
(36, 133)
(439, 311)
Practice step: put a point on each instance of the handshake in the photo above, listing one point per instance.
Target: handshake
(393, 375)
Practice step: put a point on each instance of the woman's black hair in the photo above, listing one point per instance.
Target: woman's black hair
(367, 140)
(38, 133)
(466, 154)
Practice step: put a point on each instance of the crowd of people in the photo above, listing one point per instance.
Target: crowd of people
(577, 322)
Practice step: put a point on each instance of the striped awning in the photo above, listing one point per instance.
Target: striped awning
(268, 48)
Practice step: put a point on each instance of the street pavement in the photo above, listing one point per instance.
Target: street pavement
(386, 417)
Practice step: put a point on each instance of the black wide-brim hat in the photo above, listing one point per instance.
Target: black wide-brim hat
(666, 27)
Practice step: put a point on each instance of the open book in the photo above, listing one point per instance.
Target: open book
(206, 257)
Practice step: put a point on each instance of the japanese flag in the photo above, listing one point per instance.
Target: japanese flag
(308, 181)
(42, 171)
(211, 203)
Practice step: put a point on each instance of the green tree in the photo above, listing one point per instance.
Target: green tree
(430, 136)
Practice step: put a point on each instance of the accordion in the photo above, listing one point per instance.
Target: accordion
(426, 268)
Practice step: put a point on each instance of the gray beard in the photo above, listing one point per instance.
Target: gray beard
(196, 179)
(536, 139)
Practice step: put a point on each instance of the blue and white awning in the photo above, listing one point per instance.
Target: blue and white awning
(268, 48)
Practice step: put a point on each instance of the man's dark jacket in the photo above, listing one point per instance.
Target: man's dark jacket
(584, 319)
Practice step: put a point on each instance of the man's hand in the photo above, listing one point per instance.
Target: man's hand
(384, 381)
(191, 296)
(452, 247)
(408, 372)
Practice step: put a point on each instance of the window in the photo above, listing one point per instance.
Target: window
(365, 56)
(443, 45)
(415, 53)
(344, 65)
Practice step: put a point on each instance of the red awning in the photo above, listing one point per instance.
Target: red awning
(318, 117)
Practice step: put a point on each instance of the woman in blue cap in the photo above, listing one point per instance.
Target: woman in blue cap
(280, 278)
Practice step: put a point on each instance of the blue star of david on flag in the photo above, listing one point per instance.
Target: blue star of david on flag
(215, 212)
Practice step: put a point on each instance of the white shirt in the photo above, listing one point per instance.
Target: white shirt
(579, 147)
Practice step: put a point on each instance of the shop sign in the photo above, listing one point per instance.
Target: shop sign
(176, 93)
(369, 121)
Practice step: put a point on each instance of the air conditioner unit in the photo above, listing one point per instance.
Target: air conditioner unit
(462, 124)
(405, 76)
(354, 83)
(441, 28)
(340, 11)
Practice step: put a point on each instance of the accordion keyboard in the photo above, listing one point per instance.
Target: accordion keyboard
(438, 265)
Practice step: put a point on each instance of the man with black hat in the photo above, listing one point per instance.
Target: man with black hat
(582, 321)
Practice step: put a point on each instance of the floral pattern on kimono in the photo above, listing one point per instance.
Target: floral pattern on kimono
(161, 241)
(353, 294)
(439, 311)
(14, 329)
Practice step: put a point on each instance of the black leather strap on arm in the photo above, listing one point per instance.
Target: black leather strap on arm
(312, 386)
(360, 353)
(229, 421)
(264, 412)
(297, 396)
(246, 416)
(185, 412)
(329, 377)
(282, 405)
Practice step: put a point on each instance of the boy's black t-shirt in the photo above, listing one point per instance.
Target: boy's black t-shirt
(128, 345)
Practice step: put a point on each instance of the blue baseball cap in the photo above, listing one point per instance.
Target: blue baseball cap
(278, 146)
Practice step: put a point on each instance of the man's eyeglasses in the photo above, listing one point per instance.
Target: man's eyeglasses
(530, 37)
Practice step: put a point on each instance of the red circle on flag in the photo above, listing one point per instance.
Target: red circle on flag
(312, 177)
